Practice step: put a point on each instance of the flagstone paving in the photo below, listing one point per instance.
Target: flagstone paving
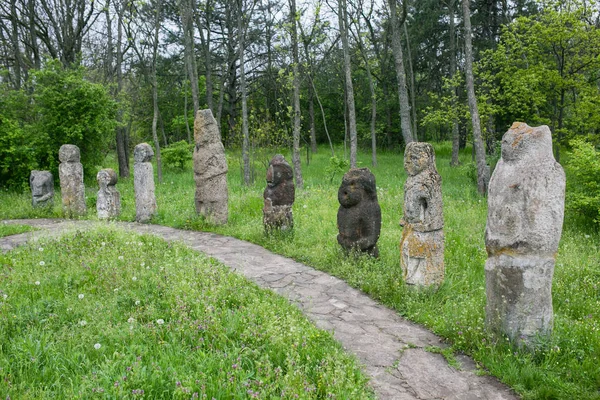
(392, 349)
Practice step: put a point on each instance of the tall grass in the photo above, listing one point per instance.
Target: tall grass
(566, 366)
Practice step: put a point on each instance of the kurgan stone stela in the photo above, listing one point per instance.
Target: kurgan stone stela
(143, 183)
(42, 188)
(279, 195)
(359, 215)
(210, 169)
(70, 172)
(525, 215)
(108, 203)
(422, 243)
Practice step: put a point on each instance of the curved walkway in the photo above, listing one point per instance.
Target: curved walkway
(391, 348)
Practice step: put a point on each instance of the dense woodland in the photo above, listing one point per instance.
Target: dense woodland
(373, 75)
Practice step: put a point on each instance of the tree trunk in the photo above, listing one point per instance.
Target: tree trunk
(245, 133)
(343, 23)
(296, 107)
(205, 41)
(15, 42)
(187, 121)
(455, 133)
(413, 94)
(155, 92)
(322, 115)
(121, 132)
(186, 12)
(483, 172)
(311, 114)
(400, 74)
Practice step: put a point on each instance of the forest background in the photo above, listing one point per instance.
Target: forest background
(108, 74)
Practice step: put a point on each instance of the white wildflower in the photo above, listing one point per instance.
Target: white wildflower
(41, 249)
(83, 322)
(120, 257)
(37, 282)
(42, 263)
(160, 321)
(131, 320)
(97, 346)
(134, 278)
(137, 302)
(81, 296)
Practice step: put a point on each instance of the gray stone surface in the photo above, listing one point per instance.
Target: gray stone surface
(70, 172)
(422, 243)
(108, 201)
(359, 215)
(390, 348)
(279, 195)
(42, 188)
(143, 183)
(525, 215)
(210, 169)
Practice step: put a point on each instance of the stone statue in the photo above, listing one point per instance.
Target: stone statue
(359, 215)
(108, 203)
(279, 195)
(526, 200)
(70, 172)
(210, 169)
(422, 243)
(143, 182)
(42, 188)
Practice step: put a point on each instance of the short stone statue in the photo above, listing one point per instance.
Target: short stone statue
(279, 195)
(143, 182)
(108, 202)
(210, 169)
(359, 215)
(422, 243)
(70, 172)
(42, 188)
(526, 200)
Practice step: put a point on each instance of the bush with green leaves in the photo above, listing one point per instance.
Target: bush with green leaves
(583, 183)
(177, 154)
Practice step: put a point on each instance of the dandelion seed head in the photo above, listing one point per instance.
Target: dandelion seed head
(41, 249)
(160, 321)
(42, 263)
(97, 346)
(83, 322)
(37, 282)
(131, 320)
(81, 296)
(134, 278)
(120, 257)
(137, 302)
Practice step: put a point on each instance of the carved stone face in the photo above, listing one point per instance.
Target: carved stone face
(418, 156)
(69, 153)
(523, 141)
(41, 183)
(279, 171)
(356, 186)
(106, 177)
(143, 153)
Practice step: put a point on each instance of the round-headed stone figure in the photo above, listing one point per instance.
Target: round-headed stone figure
(422, 243)
(359, 215)
(525, 216)
(42, 188)
(143, 183)
(279, 195)
(70, 172)
(108, 203)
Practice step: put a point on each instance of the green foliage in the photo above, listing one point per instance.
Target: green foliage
(7, 230)
(336, 166)
(583, 183)
(177, 154)
(115, 315)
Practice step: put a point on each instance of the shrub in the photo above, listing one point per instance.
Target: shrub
(583, 183)
(177, 154)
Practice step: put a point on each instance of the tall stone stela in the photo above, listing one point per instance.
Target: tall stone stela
(108, 201)
(359, 215)
(279, 195)
(143, 182)
(422, 243)
(42, 188)
(70, 172)
(525, 216)
(210, 169)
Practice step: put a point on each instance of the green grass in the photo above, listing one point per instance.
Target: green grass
(108, 314)
(564, 367)
(7, 230)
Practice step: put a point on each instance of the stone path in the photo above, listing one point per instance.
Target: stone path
(391, 348)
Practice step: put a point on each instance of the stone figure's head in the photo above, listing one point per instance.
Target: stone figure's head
(358, 184)
(279, 171)
(418, 156)
(106, 177)
(143, 153)
(206, 129)
(523, 141)
(69, 153)
(41, 183)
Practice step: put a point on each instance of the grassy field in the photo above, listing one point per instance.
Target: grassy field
(564, 367)
(108, 314)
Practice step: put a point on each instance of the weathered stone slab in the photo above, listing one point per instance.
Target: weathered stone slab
(143, 183)
(210, 169)
(108, 202)
(42, 188)
(70, 172)
(279, 195)
(524, 225)
(422, 243)
(359, 215)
